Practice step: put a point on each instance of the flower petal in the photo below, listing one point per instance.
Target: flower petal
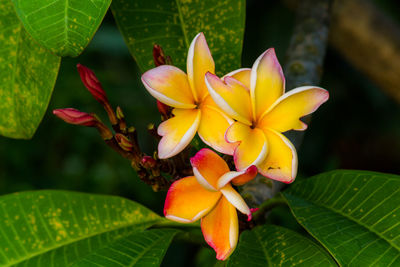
(199, 61)
(281, 161)
(220, 228)
(231, 96)
(187, 200)
(252, 148)
(238, 178)
(169, 85)
(286, 112)
(213, 125)
(267, 82)
(177, 132)
(235, 199)
(242, 75)
(246, 177)
(208, 167)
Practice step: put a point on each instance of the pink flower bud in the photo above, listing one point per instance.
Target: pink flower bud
(124, 142)
(148, 162)
(91, 82)
(74, 116)
(158, 55)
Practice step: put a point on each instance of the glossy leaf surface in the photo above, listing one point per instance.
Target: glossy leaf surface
(64, 27)
(59, 228)
(354, 214)
(271, 245)
(28, 73)
(173, 25)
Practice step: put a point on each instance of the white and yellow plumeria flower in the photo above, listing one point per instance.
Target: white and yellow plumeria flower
(255, 98)
(209, 195)
(194, 110)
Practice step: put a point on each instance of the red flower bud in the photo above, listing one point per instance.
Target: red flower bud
(91, 82)
(124, 142)
(164, 110)
(158, 55)
(148, 162)
(74, 116)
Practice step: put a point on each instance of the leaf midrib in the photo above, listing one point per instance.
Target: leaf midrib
(263, 248)
(66, 24)
(351, 219)
(185, 37)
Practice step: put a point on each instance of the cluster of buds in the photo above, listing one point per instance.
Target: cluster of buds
(122, 139)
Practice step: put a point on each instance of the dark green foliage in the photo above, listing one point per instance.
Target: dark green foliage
(64, 27)
(173, 25)
(60, 228)
(353, 214)
(28, 73)
(271, 245)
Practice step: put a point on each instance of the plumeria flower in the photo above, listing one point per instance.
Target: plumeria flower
(210, 196)
(194, 110)
(255, 98)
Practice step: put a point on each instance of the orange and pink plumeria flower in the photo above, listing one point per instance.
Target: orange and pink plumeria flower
(255, 98)
(243, 114)
(194, 110)
(210, 196)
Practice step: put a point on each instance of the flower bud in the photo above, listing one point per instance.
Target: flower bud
(121, 120)
(164, 110)
(91, 82)
(158, 55)
(120, 114)
(123, 142)
(148, 162)
(74, 116)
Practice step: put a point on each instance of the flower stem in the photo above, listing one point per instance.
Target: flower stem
(268, 205)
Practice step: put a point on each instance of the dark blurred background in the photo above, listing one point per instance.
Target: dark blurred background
(358, 128)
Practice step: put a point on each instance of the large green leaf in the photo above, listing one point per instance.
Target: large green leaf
(354, 214)
(271, 245)
(27, 76)
(173, 25)
(59, 228)
(65, 27)
(139, 249)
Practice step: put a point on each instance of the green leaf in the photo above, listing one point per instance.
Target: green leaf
(59, 228)
(271, 245)
(27, 76)
(173, 25)
(354, 214)
(142, 249)
(64, 27)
